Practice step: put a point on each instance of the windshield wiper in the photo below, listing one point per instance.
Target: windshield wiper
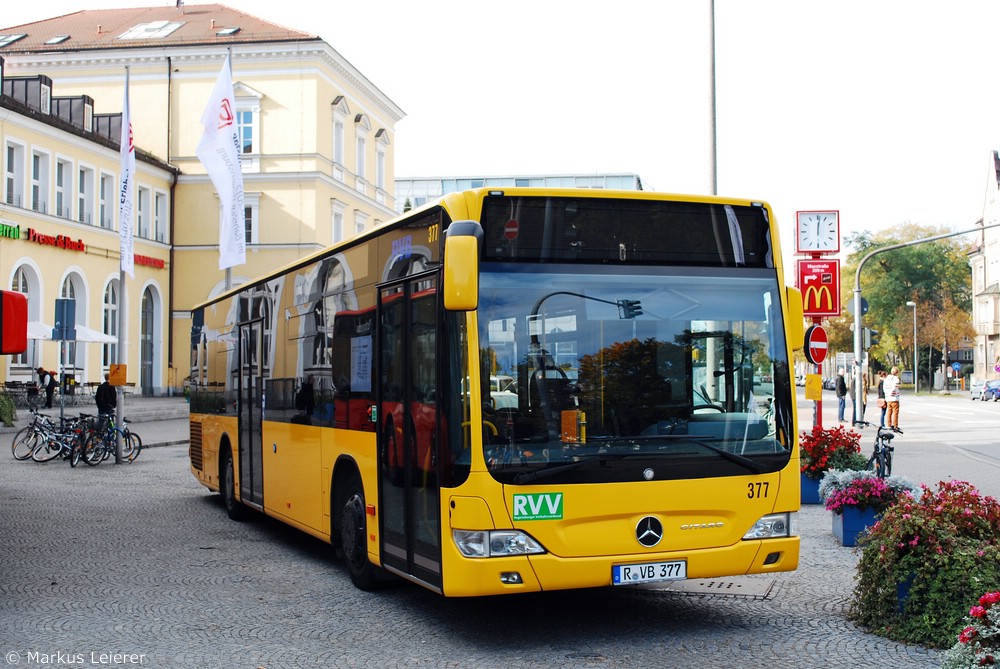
(728, 455)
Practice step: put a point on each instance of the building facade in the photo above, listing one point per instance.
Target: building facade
(316, 137)
(59, 238)
(417, 191)
(985, 265)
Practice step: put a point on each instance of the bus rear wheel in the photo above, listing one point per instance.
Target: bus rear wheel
(352, 536)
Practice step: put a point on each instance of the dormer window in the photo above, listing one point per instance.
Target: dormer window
(152, 30)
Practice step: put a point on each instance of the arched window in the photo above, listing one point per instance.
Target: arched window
(68, 352)
(21, 284)
(147, 337)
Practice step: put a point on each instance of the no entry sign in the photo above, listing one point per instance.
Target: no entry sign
(816, 344)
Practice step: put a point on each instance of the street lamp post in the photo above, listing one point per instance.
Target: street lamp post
(916, 384)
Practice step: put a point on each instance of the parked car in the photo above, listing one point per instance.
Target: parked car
(991, 391)
(976, 389)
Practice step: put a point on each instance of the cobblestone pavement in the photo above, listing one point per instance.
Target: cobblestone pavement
(140, 561)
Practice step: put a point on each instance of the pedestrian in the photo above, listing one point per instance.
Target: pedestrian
(891, 388)
(47, 381)
(880, 393)
(841, 389)
(864, 394)
(106, 397)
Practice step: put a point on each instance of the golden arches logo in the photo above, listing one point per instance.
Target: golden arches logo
(818, 294)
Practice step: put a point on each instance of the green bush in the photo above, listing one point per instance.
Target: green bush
(923, 563)
(8, 413)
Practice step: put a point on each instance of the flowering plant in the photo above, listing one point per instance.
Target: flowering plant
(862, 489)
(822, 450)
(923, 558)
(979, 643)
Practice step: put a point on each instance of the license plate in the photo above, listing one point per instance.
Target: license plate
(650, 572)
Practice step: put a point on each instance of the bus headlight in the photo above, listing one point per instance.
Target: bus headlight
(495, 543)
(774, 525)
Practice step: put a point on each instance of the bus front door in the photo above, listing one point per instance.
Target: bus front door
(408, 420)
(251, 382)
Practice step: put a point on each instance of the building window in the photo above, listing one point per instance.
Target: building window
(362, 127)
(160, 217)
(68, 358)
(251, 218)
(21, 284)
(85, 196)
(359, 164)
(360, 219)
(247, 110)
(107, 201)
(110, 323)
(338, 221)
(244, 128)
(341, 112)
(63, 176)
(15, 175)
(151, 30)
(40, 183)
(143, 213)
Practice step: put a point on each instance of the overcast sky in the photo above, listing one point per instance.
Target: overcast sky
(886, 110)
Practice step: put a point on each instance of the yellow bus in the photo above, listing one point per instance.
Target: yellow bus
(517, 390)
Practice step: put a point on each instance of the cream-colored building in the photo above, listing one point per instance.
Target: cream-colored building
(317, 142)
(985, 263)
(59, 238)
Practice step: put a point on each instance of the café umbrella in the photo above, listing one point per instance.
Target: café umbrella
(43, 331)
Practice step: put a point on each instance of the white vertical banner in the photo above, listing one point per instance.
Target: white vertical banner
(126, 191)
(219, 152)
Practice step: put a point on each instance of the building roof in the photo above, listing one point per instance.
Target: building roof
(144, 27)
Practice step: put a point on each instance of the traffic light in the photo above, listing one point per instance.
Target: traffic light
(629, 308)
(871, 337)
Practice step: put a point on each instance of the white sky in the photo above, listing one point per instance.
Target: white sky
(884, 110)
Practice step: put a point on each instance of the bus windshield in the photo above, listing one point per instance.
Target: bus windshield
(631, 372)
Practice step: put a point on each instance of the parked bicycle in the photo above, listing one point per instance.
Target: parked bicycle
(43, 440)
(104, 441)
(881, 458)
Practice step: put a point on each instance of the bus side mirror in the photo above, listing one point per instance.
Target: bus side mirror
(461, 265)
(795, 321)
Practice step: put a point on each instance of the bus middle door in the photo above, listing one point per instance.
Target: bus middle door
(251, 383)
(408, 417)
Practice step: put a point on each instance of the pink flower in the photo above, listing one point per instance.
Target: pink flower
(989, 598)
(977, 612)
(968, 634)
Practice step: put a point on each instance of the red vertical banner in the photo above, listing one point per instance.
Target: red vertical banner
(819, 283)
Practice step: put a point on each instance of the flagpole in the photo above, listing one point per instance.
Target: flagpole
(125, 201)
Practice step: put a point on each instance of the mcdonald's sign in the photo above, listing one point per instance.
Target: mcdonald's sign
(819, 283)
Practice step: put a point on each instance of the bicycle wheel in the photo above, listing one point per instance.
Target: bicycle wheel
(128, 445)
(76, 452)
(24, 443)
(136, 446)
(46, 449)
(93, 450)
(887, 461)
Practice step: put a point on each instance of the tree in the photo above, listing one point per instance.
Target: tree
(935, 275)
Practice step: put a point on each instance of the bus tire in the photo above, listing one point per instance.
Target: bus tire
(227, 484)
(353, 540)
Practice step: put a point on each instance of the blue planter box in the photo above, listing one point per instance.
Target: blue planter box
(810, 490)
(852, 522)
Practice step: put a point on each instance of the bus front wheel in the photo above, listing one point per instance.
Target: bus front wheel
(352, 536)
